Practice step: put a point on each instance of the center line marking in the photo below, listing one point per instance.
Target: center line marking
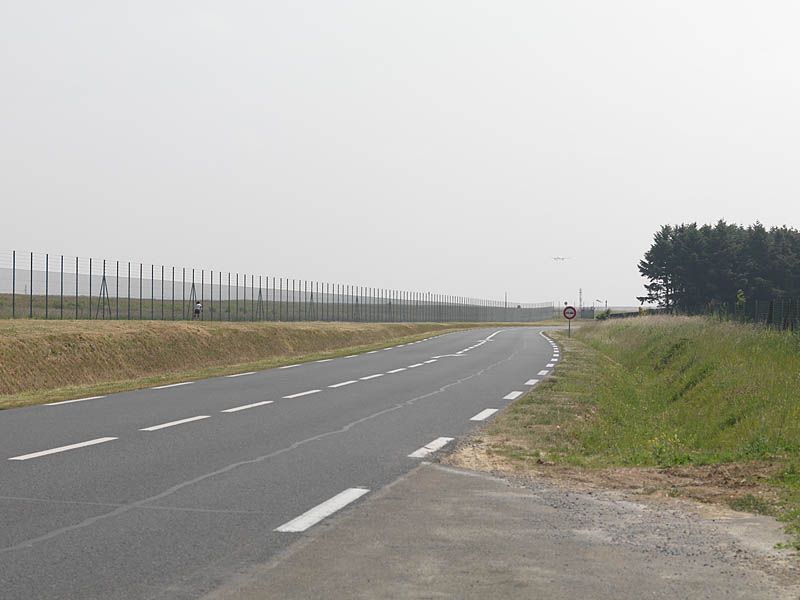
(435, 445)
(246, 406)
(532, 382)
(288, 366)
(342, 384)
(397, 370)
(414, 366)
(319, 512)
(242, 374)
(63, 448)
(163, 387)
(71, 401)
(543, 372)
(484, 414)
(371, 376)
(306, 393)
(513, 395)
(173, 423)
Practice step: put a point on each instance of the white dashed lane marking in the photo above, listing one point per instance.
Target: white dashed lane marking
(306, 393)
(415, 365)
(427, 449)
(343, 383)
(288, 366)
(246, 406)
(368, 377)
(241, 374)
(532, 382)
(484, 414)
(397, 370)
(63, 448)
(321, 511)
(174, 423)
(71, 401)
(171, 385)
(512, 395)
(543, 372)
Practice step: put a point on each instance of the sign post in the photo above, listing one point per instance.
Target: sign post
(569, 314)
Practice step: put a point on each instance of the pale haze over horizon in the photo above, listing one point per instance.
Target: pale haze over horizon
(453, 147)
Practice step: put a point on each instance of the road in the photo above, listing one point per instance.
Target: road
(169, 492)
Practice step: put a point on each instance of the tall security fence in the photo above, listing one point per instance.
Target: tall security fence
(47, 286)
(774, 313)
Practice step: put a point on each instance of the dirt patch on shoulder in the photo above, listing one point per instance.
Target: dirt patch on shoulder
(721, 484)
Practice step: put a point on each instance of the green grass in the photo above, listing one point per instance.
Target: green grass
(667, 392)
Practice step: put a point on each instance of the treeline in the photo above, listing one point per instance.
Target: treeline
(689, 267)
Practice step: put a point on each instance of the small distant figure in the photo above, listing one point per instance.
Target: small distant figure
(198, 308)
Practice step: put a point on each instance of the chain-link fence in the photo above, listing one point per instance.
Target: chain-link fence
(775, 313)
(46, 286)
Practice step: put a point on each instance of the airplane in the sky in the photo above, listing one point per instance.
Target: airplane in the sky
(561, 258)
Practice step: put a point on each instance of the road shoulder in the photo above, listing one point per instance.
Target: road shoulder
(446, 532)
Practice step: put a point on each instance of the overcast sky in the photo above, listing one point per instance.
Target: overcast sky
(437, 146)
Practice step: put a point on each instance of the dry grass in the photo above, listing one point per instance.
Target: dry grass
(43, 361)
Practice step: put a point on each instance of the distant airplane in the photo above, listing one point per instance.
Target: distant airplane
(561, 258)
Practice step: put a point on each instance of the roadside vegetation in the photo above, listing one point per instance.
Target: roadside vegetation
(47, 361)
(688, 406)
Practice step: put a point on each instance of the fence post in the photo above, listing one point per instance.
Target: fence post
(30, 295)
(46, 285)
(62, 286)
(116, 293)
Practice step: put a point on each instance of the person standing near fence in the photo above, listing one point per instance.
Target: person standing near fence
(198, 308)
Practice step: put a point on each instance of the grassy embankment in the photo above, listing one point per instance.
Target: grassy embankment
(46, 361)
(686, 406)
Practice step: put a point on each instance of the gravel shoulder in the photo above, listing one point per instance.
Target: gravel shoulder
(445, 532)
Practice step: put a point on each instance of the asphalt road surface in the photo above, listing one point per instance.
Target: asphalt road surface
(170, 492)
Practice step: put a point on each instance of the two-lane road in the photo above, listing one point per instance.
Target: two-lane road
(168, 492)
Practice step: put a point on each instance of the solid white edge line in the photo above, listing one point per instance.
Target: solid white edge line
(321, 511)
(246, 406)
(371, 376)
(532, 382)
(71, 401)
(241, 374)
(306, 393)
(63, 448)
(171, 385)
(430, 448)
(343, 383)
(289, 366)
(173, 423)
(484, 414)
(512, 395)
(397, 370)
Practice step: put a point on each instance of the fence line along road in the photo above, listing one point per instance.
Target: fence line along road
(47, 286)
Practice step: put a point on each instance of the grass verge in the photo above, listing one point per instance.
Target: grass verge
(684, 406)
(48, 361)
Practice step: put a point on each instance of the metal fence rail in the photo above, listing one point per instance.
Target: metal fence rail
(45, 286)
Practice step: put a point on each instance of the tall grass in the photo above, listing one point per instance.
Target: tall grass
(679, 390)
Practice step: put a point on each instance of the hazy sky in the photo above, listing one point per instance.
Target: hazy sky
(438, 146)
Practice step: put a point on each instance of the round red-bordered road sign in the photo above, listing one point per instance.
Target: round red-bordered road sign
(570, 312)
